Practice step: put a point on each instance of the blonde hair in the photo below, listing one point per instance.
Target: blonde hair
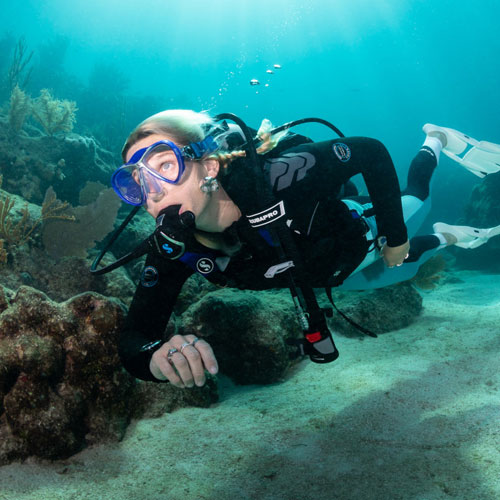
(182, 125)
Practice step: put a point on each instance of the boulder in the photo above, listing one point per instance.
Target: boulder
(482, 210)
(62, 385)
(380, 311)
(248, 330)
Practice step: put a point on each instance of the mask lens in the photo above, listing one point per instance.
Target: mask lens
(147, 172)
(162, 160)
(126, 183)
(150, 182)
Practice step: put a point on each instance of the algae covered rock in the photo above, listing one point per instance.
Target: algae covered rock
(483, 210)
(247, 331)
(63, 278)
(31, 163)
(62, 385)
(381, 311)
(60, 369)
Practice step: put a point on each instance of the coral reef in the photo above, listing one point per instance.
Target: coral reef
(17, 232)
(29, 263)
(91, 223)
(19, 108)
(60, 370)
(63, 278)
(53, 114)
(61, 385)
(31, 163)
(60, 278)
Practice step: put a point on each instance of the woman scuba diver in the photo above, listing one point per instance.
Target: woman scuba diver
(271, 211)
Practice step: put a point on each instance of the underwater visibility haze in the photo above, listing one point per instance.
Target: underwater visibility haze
(413, 414)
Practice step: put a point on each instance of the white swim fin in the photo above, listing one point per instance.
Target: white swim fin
(467, 237)
(481, 159)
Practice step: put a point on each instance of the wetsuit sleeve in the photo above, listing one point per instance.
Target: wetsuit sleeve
(318, 170)
(149, 312)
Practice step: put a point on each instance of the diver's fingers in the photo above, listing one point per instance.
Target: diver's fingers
(190, 360)
(161, 367)
(193, 357)
(183, 361)
(206, 352)
(183, 368)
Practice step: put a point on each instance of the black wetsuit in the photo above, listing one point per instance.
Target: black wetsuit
(309, 178)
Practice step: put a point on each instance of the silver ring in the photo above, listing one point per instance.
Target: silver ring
(185, 345)
(170, 353)
(398, 265)
(193, 342)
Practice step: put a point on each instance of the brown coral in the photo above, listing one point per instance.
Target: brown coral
(18, 232)
(59, 365)
(20, 69)
(53, 114)
(61, 381)
(19, 108)
(3, 253)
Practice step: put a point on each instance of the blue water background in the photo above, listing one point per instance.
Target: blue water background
(376, 68)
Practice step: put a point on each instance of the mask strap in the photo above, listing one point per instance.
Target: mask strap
(197, 150)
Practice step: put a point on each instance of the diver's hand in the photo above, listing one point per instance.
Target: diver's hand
(186, 366)
(395, 256)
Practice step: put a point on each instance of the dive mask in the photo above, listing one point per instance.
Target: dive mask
(149, 167)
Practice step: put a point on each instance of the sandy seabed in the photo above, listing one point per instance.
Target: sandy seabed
(414, 414)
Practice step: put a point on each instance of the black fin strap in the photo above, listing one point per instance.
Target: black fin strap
(349, 320)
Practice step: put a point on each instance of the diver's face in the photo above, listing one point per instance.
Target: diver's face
(186, 193)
